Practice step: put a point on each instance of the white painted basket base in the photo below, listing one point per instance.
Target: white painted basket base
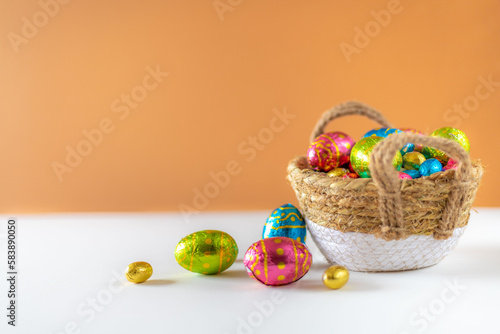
(365, 252)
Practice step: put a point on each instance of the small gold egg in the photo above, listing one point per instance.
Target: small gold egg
(138, 272)
(335, 277)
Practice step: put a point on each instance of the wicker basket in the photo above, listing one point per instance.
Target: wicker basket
(385, 223)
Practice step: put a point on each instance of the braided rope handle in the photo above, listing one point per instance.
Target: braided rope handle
(386, 178)
(344, 109)
(388, 183)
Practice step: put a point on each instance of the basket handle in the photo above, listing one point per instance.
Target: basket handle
(388, 183)
(344, 109)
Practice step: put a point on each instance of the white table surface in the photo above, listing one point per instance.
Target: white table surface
(71, 281)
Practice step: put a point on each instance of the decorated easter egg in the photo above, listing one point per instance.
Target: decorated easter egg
(335, 277)
(277, 261)
(413, 160)
(329, 150)
(138, 272)
(430, 166)
(452, 164)
(285, 221)
(403, 175)
(381, 132)
(448, 133)
(417, 147)
(338, 172)
(350, 176)
(407, 148)
(206, 252)
(360, 156)
(414, 174)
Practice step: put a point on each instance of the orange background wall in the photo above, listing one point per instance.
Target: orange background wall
(230, 69)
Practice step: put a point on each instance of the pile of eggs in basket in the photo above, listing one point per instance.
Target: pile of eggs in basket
(337, 154)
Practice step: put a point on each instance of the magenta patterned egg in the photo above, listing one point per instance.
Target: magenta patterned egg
(277, 261)
(329, 151)
(404, 176)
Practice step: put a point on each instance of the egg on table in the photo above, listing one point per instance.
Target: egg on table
(285, 221)
(206, 252)
(277, 261)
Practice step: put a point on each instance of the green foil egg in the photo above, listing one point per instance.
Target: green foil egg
(448, 133)
(360, 156)
(206, 252)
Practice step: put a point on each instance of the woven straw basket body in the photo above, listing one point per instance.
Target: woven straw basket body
(385, 223)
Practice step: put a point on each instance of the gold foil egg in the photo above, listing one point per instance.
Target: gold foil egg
(338, 172)
(138, 272)
(413, 160)
(335, 277)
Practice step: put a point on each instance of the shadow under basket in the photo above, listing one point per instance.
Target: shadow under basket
(385, 223)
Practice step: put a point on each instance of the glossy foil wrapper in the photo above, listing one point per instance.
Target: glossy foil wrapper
(285, 221)
(449, 133)
(329, 150)
(413, 160)
(360, 156)
(277, 261)
(206, 252)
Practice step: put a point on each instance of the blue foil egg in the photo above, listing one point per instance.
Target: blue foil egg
(285, 221)
(407, 148)
(415, 174)
(430, 166)
(382, 132)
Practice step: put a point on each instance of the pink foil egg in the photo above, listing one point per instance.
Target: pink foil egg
(277, 261)
(329, 151)
(404, 176)
(452, 164)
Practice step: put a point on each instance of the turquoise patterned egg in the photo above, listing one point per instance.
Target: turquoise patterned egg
(285, 221)
(382, 132)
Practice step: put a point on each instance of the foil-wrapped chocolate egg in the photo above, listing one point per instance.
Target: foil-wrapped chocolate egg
(452, 164)
(449, 133)
(403, 175)
(413, 160)
(381, 132)
(414, 174)
(407, 148)
(338, 172)
(206, 252)
(285, 221)
(360, 156)
(277, 261)
(138, 272)
(329, 150)
(335, 277)
(430, 166)
(350, 176)
(417, 147)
